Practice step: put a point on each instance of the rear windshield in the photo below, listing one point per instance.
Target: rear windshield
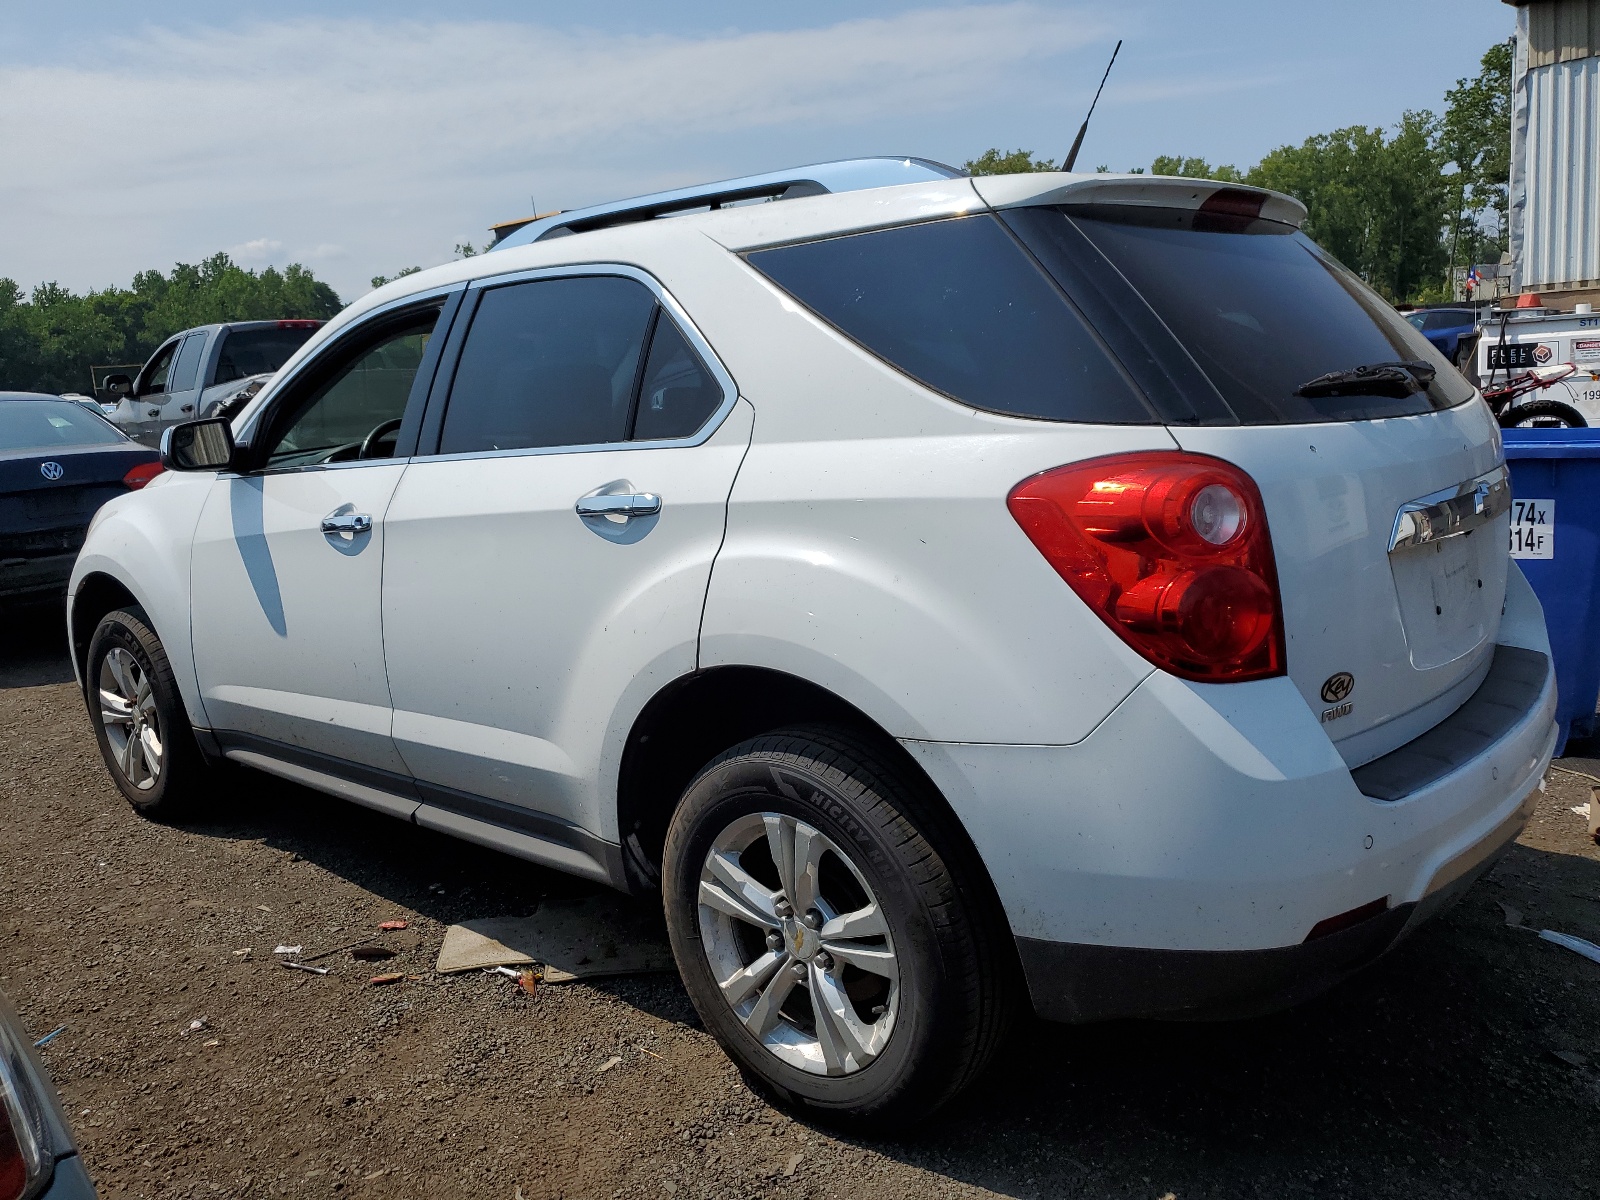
(52, 425)
(1264, 311)
(958, 305)
(257, 351)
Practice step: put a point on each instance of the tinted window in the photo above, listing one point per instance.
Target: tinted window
(257, 351)
(52, 425)
(366, 388)
(1264, 311)
(548, 363)
(677, 394)
(961, 307)
(187, 364)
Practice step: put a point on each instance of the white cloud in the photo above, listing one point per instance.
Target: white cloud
(359, 141)
(256, 251)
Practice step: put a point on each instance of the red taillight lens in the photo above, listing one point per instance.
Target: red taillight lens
(14, 1174)
(299, 324)
(1171, 550)
(141, 475)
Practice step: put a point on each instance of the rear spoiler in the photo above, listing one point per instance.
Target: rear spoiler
(1143, 191)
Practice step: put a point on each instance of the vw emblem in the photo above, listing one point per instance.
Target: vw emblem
(52, 470)
(1338, 687)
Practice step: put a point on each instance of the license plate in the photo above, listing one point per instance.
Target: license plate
(1533, 529)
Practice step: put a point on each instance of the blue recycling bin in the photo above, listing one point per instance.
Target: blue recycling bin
(1555, 537)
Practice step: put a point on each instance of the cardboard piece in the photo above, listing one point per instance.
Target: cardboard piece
(571, 939)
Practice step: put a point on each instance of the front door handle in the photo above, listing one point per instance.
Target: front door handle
(632, 504)
(343, 522)
(186, 408)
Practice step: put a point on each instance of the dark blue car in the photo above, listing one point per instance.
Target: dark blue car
(59, 462)
(1446, 328)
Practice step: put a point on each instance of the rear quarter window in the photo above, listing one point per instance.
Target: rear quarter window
(959, 306)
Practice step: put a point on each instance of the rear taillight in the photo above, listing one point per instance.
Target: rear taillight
(25, 1153)
(1171, 550)
(299, 324)
(141, 475)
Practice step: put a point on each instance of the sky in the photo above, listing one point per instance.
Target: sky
(364, 136)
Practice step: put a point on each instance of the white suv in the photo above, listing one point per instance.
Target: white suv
(1078, 587)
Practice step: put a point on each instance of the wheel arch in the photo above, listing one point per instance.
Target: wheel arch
(698, 716)
(96, 594)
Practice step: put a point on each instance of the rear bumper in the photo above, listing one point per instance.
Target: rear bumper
(37, 576)
(1176, 861)
(1080, 983)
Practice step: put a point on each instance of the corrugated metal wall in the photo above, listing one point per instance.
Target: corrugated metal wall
(1562, 238)
(1562, 30)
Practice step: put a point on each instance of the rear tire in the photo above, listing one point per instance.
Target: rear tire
(139, 719)
(886, 915)
(1542, 414)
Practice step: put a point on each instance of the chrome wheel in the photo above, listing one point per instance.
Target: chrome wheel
(128, 711)
(798, 944)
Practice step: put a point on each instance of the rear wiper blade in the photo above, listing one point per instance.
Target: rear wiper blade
(1399, 379)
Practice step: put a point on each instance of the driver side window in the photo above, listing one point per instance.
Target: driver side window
(356, 409)
(153, 380)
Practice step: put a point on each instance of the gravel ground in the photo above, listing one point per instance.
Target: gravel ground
(1434, 1074)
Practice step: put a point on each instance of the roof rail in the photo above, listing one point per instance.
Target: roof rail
(819, 179)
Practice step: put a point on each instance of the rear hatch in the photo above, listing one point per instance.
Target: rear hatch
(1384, 491)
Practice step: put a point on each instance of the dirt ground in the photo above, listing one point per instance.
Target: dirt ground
(1434, 1074)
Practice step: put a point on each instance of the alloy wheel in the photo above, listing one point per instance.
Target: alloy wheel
(128, 712)
(798, 944)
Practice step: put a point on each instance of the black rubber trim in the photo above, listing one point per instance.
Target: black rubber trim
(402, 786)
(410, 431)
(479, 808)
(1507, 695)
(1075, 982)
(524, 820)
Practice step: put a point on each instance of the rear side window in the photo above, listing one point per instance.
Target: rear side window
(551, 362)
(1263, 311)
(257, 351)
(187, 364)
(959, 306)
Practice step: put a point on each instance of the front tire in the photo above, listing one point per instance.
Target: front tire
(835, 930)
(139, 720)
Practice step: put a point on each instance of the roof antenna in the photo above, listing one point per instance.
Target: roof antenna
(1077, 142)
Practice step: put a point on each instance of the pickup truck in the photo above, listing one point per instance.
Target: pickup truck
(195, 371)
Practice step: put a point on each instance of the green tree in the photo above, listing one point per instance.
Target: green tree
(1475, 135)
(1195, 168)
(1007, 162)
(50, 338)
(1376, 204)
(379, 280)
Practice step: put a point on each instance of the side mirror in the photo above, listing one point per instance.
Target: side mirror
(197, 446)
(117, 385)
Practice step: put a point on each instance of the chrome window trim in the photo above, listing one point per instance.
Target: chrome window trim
(1452, 512)
(268, 395)
(730, 389)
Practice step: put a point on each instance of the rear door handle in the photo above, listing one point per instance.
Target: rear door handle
(632, 504)
(343, 522)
